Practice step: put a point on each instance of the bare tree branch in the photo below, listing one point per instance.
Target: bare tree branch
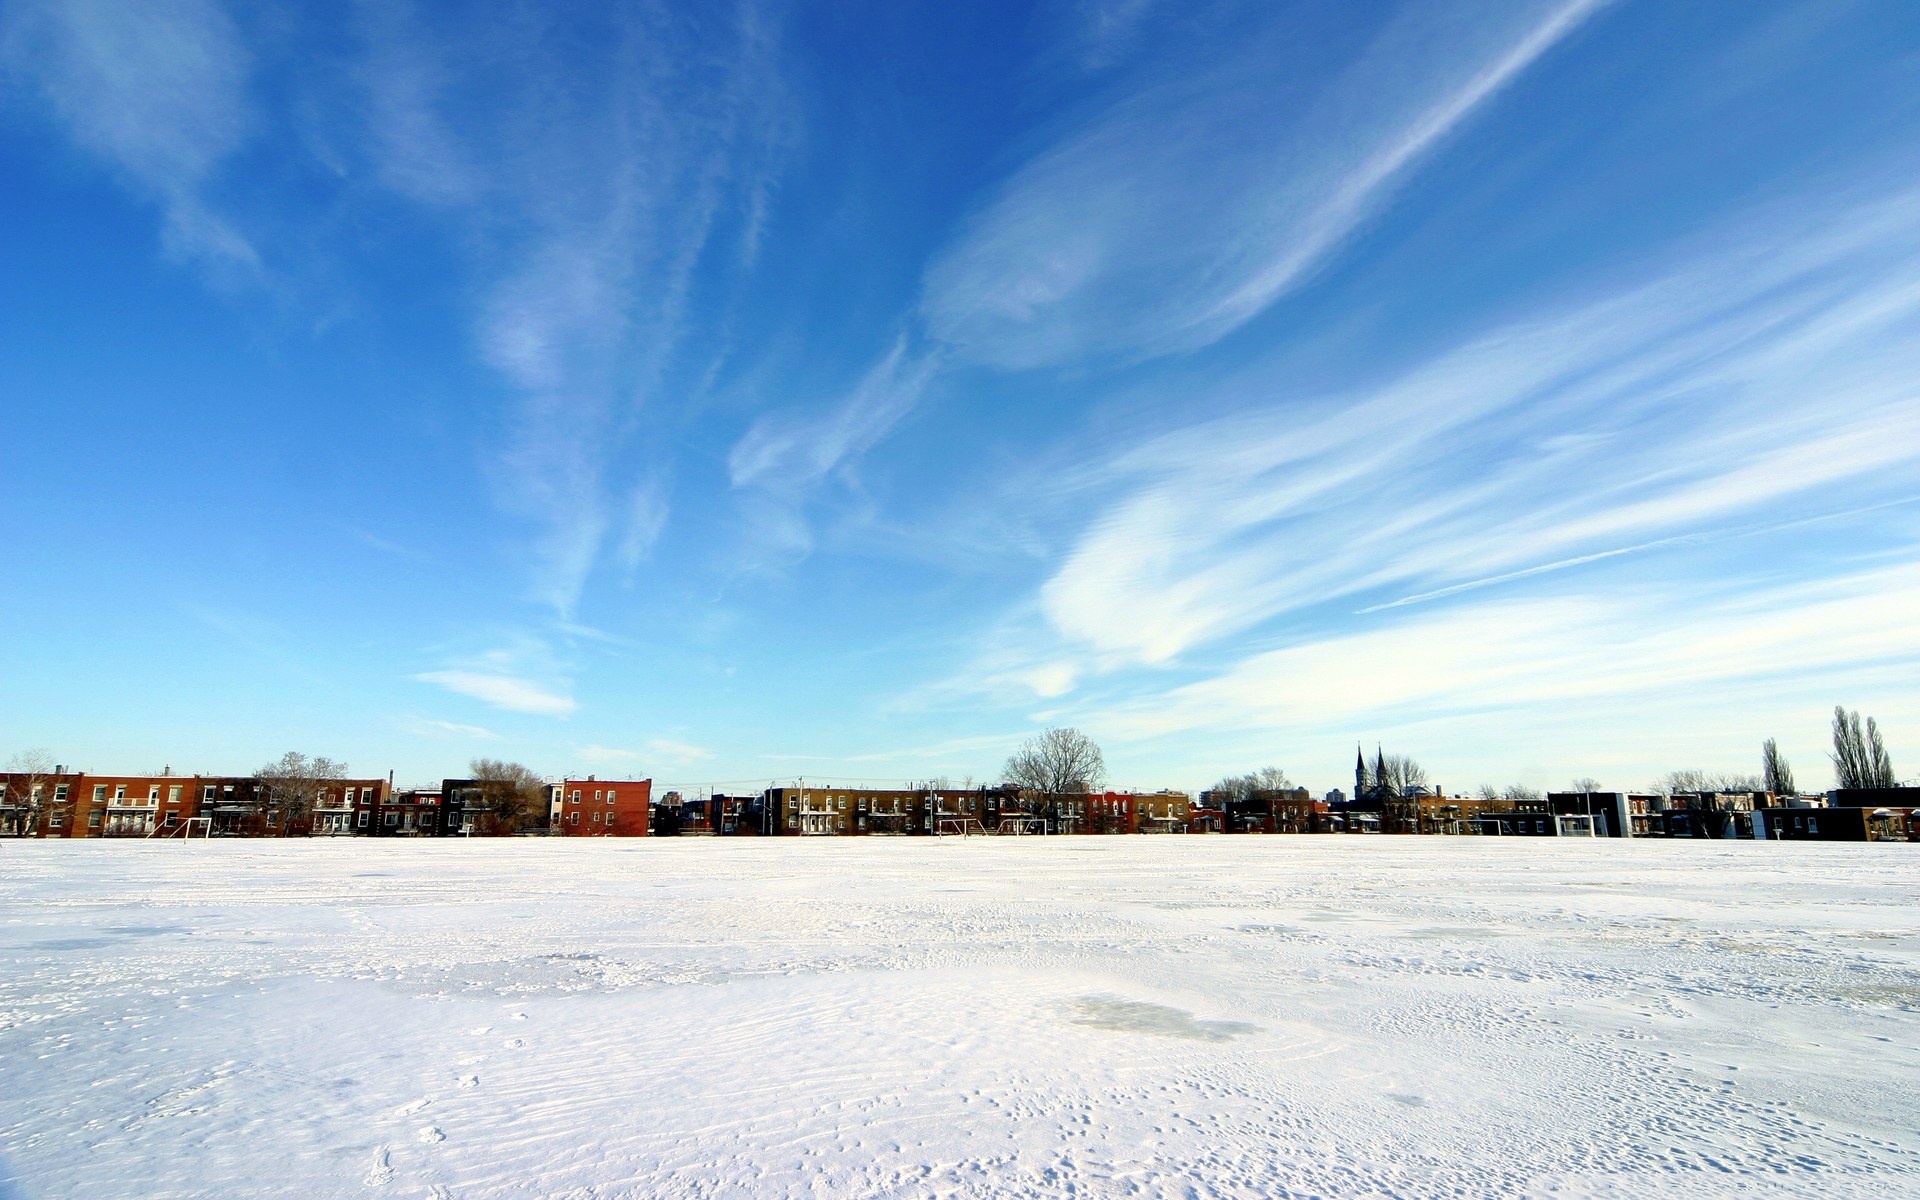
(1056, 762)
(293, 783)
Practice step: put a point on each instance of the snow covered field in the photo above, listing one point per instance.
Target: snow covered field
(1196, 1016)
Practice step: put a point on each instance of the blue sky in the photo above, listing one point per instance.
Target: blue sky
(724, 392)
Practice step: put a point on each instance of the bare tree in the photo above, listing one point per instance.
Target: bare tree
(514, 796)
(1586, 783)
(1395, 783)
(1859, 757)
(1695, 780)
(1056, 762)
(1520, 791)
(1402, 774)
(1241, 788)
(32, 789)
(1775, 774)
(1487, 791)
(294, 783)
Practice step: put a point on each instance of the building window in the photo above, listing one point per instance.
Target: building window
(576, 795)
(609, 795)
(173, 794)
(392, 819)
(351, 794)
(153, 792)
(208, 793)
(1813, 824)
(99, 792)
(59, 793)
(58, 821)
(361, 819)
(793, 822)
(93, 819)
(120, 791)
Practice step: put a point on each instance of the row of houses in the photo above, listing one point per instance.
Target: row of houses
(64, 803)
(1890, 814)
(77, 804)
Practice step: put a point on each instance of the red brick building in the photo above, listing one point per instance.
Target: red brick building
(75, 804)
(1096, 812)
(604, 807)
(336, 810)
(413, 812)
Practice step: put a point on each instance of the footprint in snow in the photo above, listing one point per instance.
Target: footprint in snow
(380, 1174)
(515, 1043)
(407, 1110)
(430, 1134)
(469, 1081)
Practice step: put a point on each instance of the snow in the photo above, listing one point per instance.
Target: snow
(1189, 1016)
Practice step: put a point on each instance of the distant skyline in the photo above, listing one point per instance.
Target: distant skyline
(735, 391)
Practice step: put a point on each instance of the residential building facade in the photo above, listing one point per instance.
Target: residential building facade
(593, 807)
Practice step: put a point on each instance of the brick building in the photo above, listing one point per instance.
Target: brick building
(593, 807)
(66, 803)
(1849, 824)
(413, 812)
(1096, 812)
(337, 808)
(1161, 812)
(809, 811)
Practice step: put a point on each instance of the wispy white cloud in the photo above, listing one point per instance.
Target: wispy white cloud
(587, 187)
(1106, 30)
(789, 451)
(673, 750)
(155, 88)
(785, 455)
(1195, 202)
(1779, 368)
(646, 519)
(1566, 650)
(430, 727)
(406, 76)
(670, 751)
(509, 692)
